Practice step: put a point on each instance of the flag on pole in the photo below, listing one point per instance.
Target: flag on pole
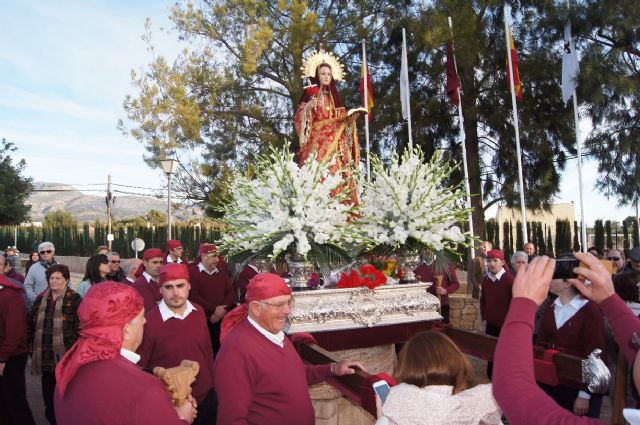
(570, 65)
(453, 81)
(364, 73)
(514, 61)
(404, 81)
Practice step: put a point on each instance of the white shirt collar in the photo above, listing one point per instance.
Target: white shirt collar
(166, 313)
(147, 276)
(497, 276)
(130, 355)
(562, 313)
(632, 416)
(277, 339)
(170, 260)
(204, 269)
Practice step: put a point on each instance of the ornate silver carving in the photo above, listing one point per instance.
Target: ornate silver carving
(408, 261)
(300, 271)
(263, 265)
(595, 373)
(339, 309)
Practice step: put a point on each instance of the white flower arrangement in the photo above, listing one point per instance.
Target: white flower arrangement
(287, 208)
(409, 206)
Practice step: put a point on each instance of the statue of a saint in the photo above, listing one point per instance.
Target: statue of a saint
(323, 124)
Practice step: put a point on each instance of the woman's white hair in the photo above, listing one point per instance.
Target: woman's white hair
(46, 245)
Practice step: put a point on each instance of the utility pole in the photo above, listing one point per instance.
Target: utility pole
(109, 199)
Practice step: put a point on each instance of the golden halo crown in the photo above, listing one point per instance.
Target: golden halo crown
(315, 59)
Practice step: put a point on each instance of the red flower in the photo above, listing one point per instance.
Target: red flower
(312, 90)
(367, 276)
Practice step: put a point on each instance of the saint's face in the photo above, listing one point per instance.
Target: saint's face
(324, 75)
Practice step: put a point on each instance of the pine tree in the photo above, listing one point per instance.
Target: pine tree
(607, 231)
(542, 245)
(599, 234)
(519, 239)
(576, 237)
(625, 235)
(549, 243)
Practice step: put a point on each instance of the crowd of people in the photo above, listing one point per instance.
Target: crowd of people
(117, 325)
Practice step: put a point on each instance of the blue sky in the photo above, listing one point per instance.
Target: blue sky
(65, 70)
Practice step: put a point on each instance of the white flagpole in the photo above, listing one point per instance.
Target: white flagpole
(366, 105)
(517, 129)
(405, 76)
(583, 232)
(464, 148)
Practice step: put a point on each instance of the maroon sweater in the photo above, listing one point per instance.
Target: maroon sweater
(258, 382)
(513, 371)
(210, 291)
(425, 274)
(13, 321)
(578, 336)
(166, 344)
(115, 392)
(495, 299)
(150, 292)
(242, 281)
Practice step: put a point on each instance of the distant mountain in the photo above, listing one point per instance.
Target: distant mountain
(87, 208)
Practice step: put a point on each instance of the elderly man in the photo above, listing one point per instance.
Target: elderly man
(13, 354)
(633, 262)
(212, 289)
(147, 284)
(518, 259)
(116, 273)
(259, 376)
(177, 330)
(98, 381)
(174, 252)
(36, 281)
(616, 257)
(530, 250)
(496, 296)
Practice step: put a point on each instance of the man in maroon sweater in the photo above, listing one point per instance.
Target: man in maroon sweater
(98, 381)
(174, 252)
(495, 295)
(240, 285)
(177, 330)
(13, 355)
(514, 385)
(211, 289)
(448, 285)
(259, 376)
(147, 283)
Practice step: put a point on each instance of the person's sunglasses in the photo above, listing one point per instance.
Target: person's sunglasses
(48, 251)
(613, 258)
(115, 261)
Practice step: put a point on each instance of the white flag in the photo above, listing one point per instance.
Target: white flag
(404, 80)
(570, 66)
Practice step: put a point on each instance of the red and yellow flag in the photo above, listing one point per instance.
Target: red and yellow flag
(514, 62)
(364, 73)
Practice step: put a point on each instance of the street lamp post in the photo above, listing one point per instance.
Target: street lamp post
(169, 166)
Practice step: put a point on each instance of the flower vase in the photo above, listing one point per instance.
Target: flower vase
(300, 270)
(408, 262)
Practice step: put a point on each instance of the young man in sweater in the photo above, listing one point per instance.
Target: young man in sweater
(495, 296)
(514, 372)
(259, 376)
(177, 330)
(148, 284)
(211, 289)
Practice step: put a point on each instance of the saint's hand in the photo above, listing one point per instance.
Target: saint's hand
(346, 367)
(601, 286)
(311, 104)
(581, 406)
(533, 279)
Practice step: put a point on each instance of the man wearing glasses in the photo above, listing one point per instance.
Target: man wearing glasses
(258, 375)
(617, 259)
(36, 280)
(212, 289)
(116, 273)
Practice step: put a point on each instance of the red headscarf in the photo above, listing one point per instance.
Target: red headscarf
(172, 244)
(173, 271)
(307, 94)
(103, 312)
(146, 256)
(498, 255)
(261, 287)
